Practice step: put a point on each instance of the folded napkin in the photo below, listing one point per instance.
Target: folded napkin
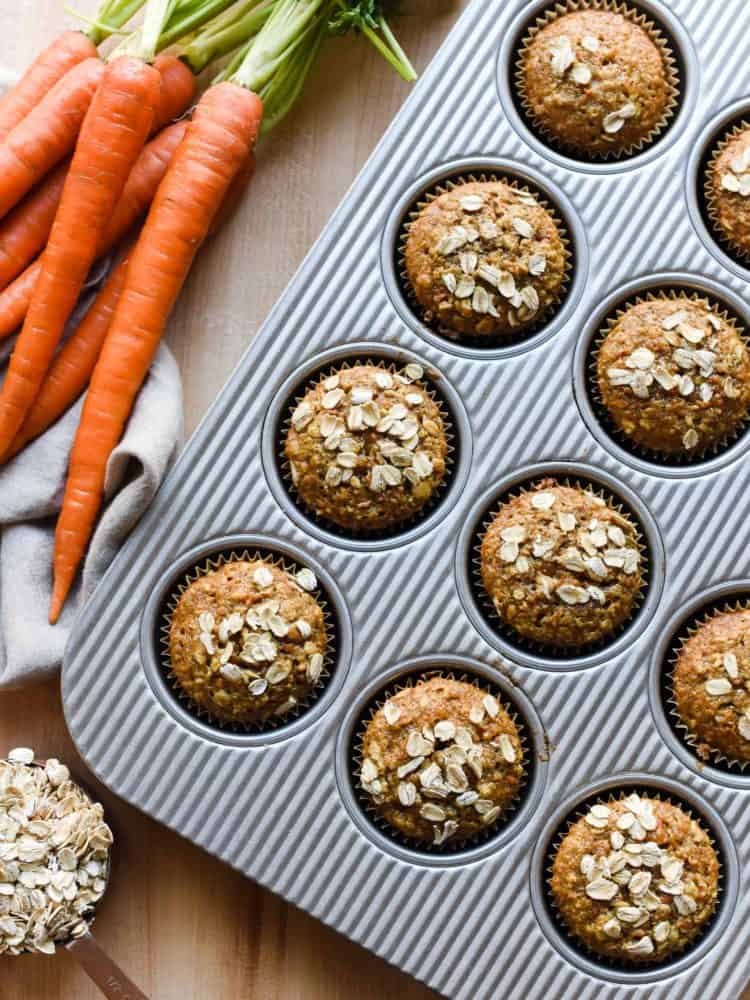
(31, 491)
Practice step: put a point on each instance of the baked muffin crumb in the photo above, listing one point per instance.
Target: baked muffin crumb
(728, 191)
(442, 761)
(635, 879)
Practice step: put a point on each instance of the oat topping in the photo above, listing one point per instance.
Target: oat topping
(736, 179)
(660, 352)
(642, 877)
(54, 855)
(248, 639)
(485, 257)
(382, 433)
(437, 759)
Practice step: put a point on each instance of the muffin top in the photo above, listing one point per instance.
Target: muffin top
(674, 375)
(367, 448)
(561, 566)
(635, 879)
(596, 82)
(712, 685)
(729, 191)
(485, 259)
(441, 761)
(247, 640)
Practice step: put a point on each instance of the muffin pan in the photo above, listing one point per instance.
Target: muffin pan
(280, 804)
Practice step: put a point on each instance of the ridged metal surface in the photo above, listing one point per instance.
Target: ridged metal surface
(275, 812)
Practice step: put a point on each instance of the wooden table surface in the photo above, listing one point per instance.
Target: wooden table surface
(184, 926)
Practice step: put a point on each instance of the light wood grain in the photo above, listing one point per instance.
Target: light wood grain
(184, 926)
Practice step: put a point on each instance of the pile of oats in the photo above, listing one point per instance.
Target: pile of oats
(54, 855)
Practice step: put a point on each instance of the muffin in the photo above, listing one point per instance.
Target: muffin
(728, 190)
(248, 641)
(561, 566)
(367, 448)
(674, 375)
(636, 879)
(441, 761)
(712, 685)
(485, 259)
(596, 82)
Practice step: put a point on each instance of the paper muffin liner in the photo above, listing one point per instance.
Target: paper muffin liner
(710, 164)
(429, 384)
(601, 412)
(716, 758)
(164, 626)
(368, 807)
(656, 32)
(524, 186)
(616, 795)
(485, 603)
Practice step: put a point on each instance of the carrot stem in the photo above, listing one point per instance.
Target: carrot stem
(113, 15)
(226, 33)
(157, 14)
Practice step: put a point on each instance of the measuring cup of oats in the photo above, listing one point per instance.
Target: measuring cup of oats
(54, 868)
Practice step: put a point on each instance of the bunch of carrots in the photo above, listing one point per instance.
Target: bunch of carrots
(111, 154)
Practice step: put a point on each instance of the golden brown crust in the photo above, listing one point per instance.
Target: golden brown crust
(674, 375)
(247, 642)
(639, 884)
(596, 81)
(441, 761)
(485, 259)
(729, 191)
(367, 448)
(561, 566)
(712, 685)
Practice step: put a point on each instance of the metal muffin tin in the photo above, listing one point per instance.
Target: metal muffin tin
(280, 807)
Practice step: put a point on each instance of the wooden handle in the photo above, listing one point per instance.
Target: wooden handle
(99, 967)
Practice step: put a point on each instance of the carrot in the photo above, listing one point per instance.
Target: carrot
(24, 231)
(47, 134)
(140, 189)
(68, 50)
(113, 135)
(71, 370)
(217, 144)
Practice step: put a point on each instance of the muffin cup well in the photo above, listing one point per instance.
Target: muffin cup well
(717, 759)
(656, 32)
(719, 144)
(429, 381)
(592, 381)
(614, 793)
(522, 185)
(164, 623)
(483, 600)
(355, 756)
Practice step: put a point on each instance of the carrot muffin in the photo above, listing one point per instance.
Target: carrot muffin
(248, 640)
(728, 188)
(635, 879)
(485, 259)
(674, 375)
(367, 448)
(712, 685)
(596, 82)
(441, 761)
(561, 566)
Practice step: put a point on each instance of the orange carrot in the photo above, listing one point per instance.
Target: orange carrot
(47, 134)
(178, 87)
(71, 369)
(67, 51)
(24, 231)
(112, 137)
(217, 144)
(140, 189)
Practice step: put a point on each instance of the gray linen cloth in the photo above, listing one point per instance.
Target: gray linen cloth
(31, 491)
